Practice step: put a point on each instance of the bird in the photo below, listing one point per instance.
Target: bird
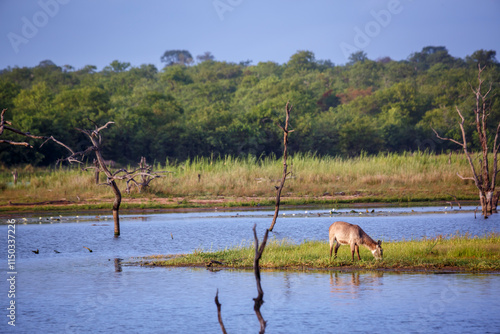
(90, 250)
(56, 251)
(36, 252)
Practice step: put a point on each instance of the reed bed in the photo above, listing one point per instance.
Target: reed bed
(417, 176)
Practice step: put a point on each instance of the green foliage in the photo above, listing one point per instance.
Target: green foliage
(221, 108)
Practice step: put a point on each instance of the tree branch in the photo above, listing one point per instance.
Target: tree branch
(476, 179)
(219, 306)
(465, 178)
(448, 139)
(286, 131)
(19, 132)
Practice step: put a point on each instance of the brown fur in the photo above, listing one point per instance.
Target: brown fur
(348, 234)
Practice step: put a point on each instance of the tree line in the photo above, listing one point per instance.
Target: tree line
(211, 108)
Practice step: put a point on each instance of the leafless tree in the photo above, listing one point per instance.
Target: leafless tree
(219, 306)
(286, 131)
(144, 173)
(96, 139)
(259, 250)
(100, 165)
(483, 176)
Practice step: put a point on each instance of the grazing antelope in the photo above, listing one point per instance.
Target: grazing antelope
(348, 234)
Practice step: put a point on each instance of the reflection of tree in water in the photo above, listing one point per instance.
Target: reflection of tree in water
(118, 265)
(349, 286)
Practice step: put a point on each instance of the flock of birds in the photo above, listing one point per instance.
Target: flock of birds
(52, 219)
(333, 211)
(37, 251)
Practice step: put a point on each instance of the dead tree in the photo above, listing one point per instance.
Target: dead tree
(101, 165)
(483, 176)
(219, 306)
(96, 139)
(144, 173)
(285, 166)
(259, 250)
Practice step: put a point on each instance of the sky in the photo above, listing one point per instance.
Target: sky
(97, 32)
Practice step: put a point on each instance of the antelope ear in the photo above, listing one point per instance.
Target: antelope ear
(379, 243)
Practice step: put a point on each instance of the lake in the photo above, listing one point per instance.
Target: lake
(77, 291)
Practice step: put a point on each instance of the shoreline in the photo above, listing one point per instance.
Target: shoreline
(458, 253)
(180, 204)
(350, 268)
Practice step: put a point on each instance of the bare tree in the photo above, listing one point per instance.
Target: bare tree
(483, 176)
(219, 306)
(259, 250)
(145, 172)
(96, 139)
(100, 165)
(288, 108)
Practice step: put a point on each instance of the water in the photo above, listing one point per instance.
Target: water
(76, 291)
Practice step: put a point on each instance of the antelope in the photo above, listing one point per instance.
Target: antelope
(348, 234)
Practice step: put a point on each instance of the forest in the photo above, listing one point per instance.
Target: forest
(215, 108)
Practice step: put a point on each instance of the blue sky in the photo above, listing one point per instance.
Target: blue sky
(96, 32)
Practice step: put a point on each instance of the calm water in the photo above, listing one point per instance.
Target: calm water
(76, 291)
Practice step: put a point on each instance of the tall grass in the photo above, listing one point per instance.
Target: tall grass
(383, 177)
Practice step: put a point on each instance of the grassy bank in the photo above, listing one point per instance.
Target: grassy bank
(407, 177)
(457, 253)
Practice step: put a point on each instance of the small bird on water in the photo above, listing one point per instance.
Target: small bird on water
(36, 252)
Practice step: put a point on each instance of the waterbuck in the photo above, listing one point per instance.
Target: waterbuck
(348, 234)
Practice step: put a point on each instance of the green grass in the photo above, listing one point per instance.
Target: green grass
(400, 178)
(457, 252)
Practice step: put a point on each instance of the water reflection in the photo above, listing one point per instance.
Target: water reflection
(349, 285)
(118, 265)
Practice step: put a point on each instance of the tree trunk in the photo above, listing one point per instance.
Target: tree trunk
(116, 207)
(118, 194)
(489, 202)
